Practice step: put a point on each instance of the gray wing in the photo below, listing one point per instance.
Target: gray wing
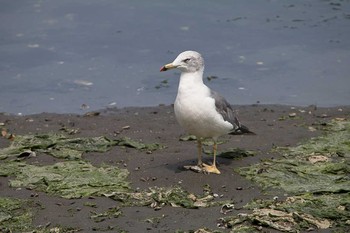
(226, 111)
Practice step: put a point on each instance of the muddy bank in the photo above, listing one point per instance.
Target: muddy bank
(199, 198)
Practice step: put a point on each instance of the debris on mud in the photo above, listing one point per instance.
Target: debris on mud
(317, 172)
(157, 197)
(62, 146)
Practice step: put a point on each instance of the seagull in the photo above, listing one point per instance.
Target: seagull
(201, 111)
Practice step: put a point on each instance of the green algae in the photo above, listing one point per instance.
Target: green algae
(300, 176)
(157, 197)
(69, 179)
(297, 173)
(57, 145)
(16, 215)
(296, 213)
(128, 142)
(316, 172)
(63, 146)
(334, 207)
(276, 219)
(334, 143)
(77, 178)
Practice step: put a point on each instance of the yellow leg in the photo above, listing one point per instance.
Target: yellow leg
(202, 167)
(212, 168)
(199, 147)
(215, 147)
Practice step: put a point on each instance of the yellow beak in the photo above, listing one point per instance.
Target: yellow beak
(167, 67)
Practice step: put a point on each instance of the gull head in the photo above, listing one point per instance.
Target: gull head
(188, 61)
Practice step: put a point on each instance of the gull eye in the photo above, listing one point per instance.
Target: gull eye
(186, 60)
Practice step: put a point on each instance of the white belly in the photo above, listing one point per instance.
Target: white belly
(197, 115)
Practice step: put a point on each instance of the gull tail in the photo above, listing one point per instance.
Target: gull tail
(242, 129)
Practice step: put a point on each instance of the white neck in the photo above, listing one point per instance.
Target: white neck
(189, 81)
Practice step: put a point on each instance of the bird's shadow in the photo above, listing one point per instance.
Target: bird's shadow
(236, 153)
(224, 158)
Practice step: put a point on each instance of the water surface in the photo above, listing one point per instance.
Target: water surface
(77, 56)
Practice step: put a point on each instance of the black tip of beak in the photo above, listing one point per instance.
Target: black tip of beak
(163, 69)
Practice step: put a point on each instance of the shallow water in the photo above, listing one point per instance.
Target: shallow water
(77, 56)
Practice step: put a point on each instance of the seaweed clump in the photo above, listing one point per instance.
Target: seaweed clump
(69, 179)
(315, 174)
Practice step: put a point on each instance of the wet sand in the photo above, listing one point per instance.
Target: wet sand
(274, 125)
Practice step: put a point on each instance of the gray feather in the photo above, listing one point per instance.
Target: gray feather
(226, 111)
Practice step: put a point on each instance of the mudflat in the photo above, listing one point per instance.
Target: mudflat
(145, 144)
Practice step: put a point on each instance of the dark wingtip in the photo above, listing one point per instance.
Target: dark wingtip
(242, 130)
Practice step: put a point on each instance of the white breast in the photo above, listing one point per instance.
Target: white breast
(196, 112)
